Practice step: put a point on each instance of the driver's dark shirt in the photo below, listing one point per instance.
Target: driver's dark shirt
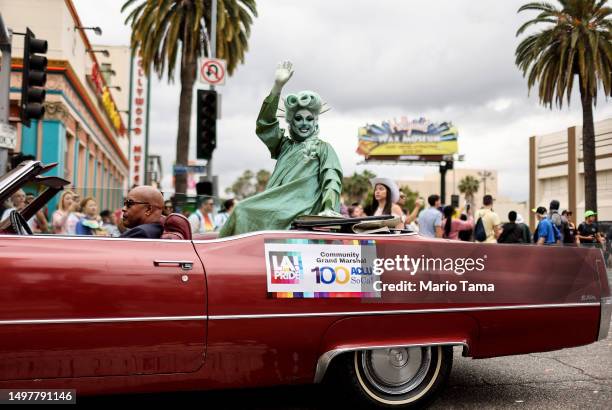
(150, 231)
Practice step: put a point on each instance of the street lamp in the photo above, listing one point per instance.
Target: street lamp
(484, 176)
(96, 30)
(105, 53)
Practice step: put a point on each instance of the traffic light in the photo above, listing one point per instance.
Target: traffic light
(206, 128)
(455, 200)
(34, 78)
(204, 188)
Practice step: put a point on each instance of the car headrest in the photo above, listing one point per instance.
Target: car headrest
(176, 226)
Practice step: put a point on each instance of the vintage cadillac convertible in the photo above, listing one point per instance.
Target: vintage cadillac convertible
(374, 314)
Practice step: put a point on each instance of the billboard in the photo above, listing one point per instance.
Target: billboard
(419, 137)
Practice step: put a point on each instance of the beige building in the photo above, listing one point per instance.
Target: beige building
(430, 184)
(116, 72)
(556, 170)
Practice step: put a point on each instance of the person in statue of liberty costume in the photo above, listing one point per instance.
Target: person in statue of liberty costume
(307, 178)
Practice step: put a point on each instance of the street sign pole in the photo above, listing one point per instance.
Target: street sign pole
(6, 36)
(213, 54)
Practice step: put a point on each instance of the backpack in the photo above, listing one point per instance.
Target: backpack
(557, 221)
(557, 233)
(479, 231)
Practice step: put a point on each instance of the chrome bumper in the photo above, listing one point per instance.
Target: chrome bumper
(604, 319)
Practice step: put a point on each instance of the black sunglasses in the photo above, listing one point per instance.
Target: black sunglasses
(128, 203)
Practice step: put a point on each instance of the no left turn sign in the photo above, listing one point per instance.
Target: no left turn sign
(212, 71)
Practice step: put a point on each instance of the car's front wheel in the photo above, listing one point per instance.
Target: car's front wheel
(396, 377)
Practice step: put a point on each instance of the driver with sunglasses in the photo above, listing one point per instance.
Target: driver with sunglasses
(142, 210)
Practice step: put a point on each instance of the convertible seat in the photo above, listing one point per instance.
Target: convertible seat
(176, 226)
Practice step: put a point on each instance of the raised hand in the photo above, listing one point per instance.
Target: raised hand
(283, 73)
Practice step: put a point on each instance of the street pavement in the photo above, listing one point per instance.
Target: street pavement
(578, 378)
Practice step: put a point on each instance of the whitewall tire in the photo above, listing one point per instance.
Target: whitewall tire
(395, 377)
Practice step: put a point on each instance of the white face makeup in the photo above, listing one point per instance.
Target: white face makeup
(303, 125)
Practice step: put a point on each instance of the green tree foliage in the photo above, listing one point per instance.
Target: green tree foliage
(261, 180)
(249, 184)
(576, 41)
(357, 187)
(411, 197)
(468, 186)
(169, 31)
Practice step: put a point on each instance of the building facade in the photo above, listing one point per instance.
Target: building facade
(556, 170)
(82, 129)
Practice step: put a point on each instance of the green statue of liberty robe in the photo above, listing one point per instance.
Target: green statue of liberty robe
(307, 178)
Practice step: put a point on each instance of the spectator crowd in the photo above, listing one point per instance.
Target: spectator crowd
(81, 216)
(484, 225)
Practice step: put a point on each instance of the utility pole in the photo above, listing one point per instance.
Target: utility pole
(213, 54)
(7, 133)
(484, 176)
(444, 166)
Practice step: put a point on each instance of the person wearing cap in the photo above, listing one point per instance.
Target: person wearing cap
(430, 219)
(490, 220)
(588, 232)
(386, 194)
(546, 232)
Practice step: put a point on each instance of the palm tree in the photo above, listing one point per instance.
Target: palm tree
(576, 42)
(165, 31)
(469, 186)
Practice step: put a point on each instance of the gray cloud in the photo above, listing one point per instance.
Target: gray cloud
(375, 60)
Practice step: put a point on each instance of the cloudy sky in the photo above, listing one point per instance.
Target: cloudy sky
(446, 60)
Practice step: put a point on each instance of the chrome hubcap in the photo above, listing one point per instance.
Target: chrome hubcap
(396, 370)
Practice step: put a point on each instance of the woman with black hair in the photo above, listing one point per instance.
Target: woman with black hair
(386, 194)
(451, 226)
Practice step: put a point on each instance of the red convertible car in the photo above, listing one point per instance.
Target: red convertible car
(374, 314)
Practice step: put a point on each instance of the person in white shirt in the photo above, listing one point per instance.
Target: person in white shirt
(223, 216)
(201, 220)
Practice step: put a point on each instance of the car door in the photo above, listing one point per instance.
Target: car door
(87, 306)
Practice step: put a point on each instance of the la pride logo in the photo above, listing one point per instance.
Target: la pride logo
(286, 267)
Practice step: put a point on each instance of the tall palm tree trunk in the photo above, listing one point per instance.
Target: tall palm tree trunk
(188, 75)
(588, 151)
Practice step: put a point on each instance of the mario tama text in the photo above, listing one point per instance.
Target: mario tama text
(431, 286)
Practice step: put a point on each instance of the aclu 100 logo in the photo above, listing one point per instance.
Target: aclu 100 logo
(286, 267)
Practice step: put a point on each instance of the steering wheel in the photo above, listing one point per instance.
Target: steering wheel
(19, 224)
